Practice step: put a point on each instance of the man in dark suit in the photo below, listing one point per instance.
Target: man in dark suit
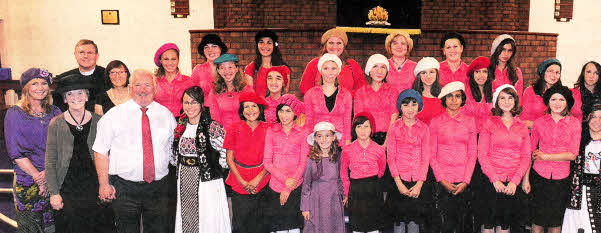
(86, 54)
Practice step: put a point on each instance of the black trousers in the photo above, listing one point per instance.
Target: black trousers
(135, 199)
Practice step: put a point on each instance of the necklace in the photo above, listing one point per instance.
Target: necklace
(79, 127)
(39, 114)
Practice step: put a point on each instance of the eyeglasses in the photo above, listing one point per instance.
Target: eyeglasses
(190, 103)
(117, 72)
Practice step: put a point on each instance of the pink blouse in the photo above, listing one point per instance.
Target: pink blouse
(381, 104)
(502, 77)
(362, 162)
(534, 107)
(577, 108)
(316, 110)
(552, 138)
(203, 74)
(454, 147)
(409, 150)
(169, 94)
(504, 153)
(224, 106)
(481, 111)
(401, 79)
(447, 75)
(351, 76)
(285, 155)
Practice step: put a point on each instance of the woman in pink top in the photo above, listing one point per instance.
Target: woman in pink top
(504, 154)
(479, 91)
(351, 76)
(329, 101)
(171, 84)
(366, 161)
(377, 98)
(452, 68)
(502, 54)
(285, 158)
(210, 47)
(399, 45)
(427, 83)
(453, 138)
(554, 143)
(223, 98)
(408, 150)
(267, 55)
(549, 72)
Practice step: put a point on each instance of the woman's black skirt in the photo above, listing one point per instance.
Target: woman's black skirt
(365, 204)
(282, 217)
(401, 208)
(499, 209)
(549, 200)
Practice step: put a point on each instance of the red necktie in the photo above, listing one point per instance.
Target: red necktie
(147, 150)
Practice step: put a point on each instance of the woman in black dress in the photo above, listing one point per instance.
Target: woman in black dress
(118, 72)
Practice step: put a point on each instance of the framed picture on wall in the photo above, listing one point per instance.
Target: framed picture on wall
(110, 16)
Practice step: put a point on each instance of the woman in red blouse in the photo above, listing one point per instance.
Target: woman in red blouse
(267, 55)
(479, 91)
(329, 101)
(377, 98)
(247, 176)
(504, 154)
(453, 138)
(365, 160)
(452, 68)
(408, 149)
(227, 88)
(399, 45)
(171, 84)
(427, 83)
(285, 158)
(554, 143)
(351, 75)
(502, 53)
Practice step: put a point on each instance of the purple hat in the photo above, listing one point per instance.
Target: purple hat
(34, 73)
(161, 50)
(290, 100)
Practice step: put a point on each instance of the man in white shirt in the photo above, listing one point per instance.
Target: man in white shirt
(138, 134)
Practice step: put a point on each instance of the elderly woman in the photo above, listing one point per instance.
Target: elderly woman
(70, 171)
(227, 88)
(453, 139)
(170, 82)
(200, 161)
(351, 76)
(585, 185)
(379, 97)
(399, 45)
(118, 72)
(25, 129)
(210, 47)
(427, 83)
(588, 87)
(247, 175)
(329, 101)
(554, 143)
(502, 54)
(452, 68)
(268, 55)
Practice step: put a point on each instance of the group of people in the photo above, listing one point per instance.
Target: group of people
(416, 147)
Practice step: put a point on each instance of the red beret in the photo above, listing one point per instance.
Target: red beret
(283, 70)
(251, 96)
(370, 118)
(478, 63)
(161, 50)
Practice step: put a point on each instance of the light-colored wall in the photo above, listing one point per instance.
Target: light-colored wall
(44, 33)
(579, 40)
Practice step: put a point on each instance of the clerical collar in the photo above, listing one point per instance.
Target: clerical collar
(88, 73)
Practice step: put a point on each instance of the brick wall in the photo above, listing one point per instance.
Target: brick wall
(299, 46)
(274, 13)
(509, 15)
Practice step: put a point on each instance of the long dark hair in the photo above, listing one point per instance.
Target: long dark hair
(418, 85)
(276, 57)
(580, 83)
(494, 58)
(476, 90)
(539, 85)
